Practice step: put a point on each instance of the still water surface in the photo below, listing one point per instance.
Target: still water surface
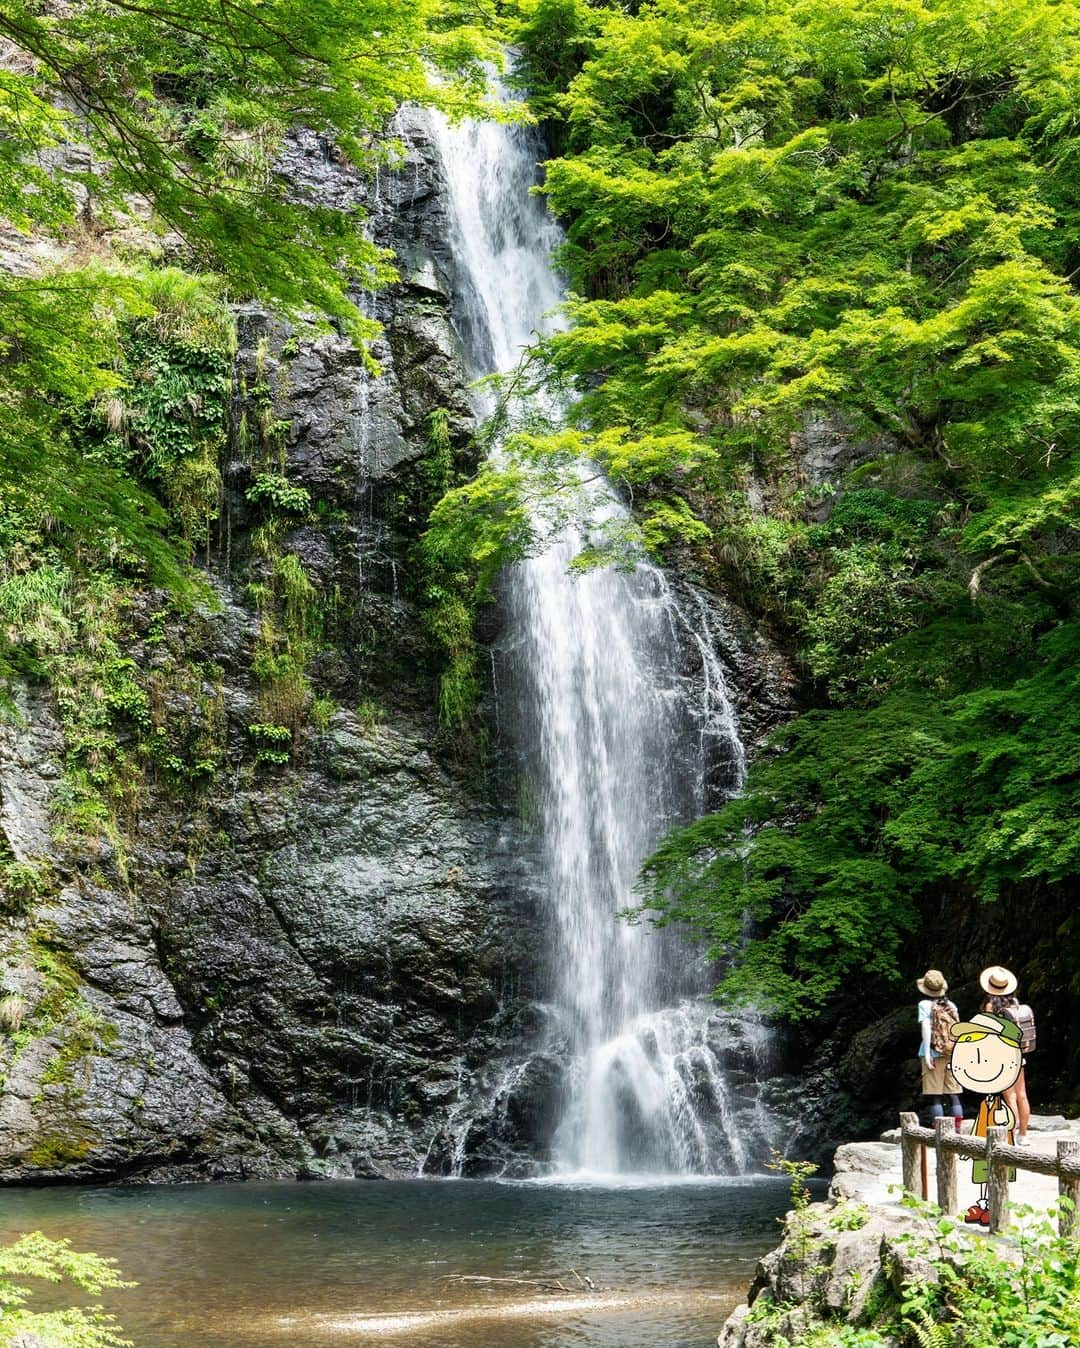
(231, 1266)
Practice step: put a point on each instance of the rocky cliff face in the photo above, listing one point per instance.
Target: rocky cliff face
(300, 964)
(323, 966)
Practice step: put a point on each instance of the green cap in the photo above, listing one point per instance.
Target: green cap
(986, 1023)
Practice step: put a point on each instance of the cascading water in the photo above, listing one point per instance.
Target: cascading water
(620, 712)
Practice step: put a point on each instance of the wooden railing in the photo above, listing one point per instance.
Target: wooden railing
(949, 1144)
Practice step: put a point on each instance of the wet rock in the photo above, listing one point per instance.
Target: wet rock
(826, 449)
(303, 975)
(333, 967)
(31, 752)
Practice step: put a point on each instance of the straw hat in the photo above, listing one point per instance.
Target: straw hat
(932, 983)
(997, 982)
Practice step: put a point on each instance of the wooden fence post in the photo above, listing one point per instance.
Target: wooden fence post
(946, 1166)
(1068, 1148)
(909, 1152)
(997, 1179)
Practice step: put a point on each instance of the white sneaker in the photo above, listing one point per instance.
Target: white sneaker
(1021, 1142)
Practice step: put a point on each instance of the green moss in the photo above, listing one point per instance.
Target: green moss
(23, 883)
(87, 1033)
(54, 1151)
(60, 1011)
(54, 963)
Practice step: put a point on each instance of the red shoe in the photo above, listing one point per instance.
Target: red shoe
(985, 1218)
(975, 1213)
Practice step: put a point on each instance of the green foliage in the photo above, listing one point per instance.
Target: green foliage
(54, 1261)
(798, 1172)
(849, 1216)
(273, 490)
(850, 207)
(1024, 1291)
(370, 716)
(986, 1295)
(69, 625)
(22, 883)
(291, 615)
(855, 813)
(200, 145)
(115, 370)
(274, 742)
(853, 223)
(322, 713)
(459, 558)
(165, 422)
(185, 743)
(553, 38)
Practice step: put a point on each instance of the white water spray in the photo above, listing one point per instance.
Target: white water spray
(622, 714)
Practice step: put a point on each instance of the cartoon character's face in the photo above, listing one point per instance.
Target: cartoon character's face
(985, 1063)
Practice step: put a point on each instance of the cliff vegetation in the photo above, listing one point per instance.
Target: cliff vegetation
(825, 332)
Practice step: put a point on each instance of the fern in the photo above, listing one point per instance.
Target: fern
(928, 1333)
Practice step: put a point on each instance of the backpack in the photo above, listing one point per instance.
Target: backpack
(943, 1016)
(1023, 1016)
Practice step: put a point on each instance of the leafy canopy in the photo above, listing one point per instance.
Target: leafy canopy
(847, 223)
(126, 127)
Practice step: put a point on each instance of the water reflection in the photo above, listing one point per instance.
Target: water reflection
(269, 1264)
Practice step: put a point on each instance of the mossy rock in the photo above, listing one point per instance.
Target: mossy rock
(55, 1151)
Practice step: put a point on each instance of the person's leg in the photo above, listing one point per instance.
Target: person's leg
(951, 1088)
(935, 1109)
(1009, 1098)
(1023, 1107)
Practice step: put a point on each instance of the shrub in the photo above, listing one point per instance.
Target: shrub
(53, 1261)
(276, 492)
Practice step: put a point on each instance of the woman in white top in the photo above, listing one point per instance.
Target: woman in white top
(940, 1089)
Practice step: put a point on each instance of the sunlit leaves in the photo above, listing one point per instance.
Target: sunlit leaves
(859, 219)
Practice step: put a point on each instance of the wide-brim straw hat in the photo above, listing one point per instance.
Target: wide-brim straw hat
(932, 984)
(997, 981)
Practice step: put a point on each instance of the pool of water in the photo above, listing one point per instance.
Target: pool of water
(230, 1266)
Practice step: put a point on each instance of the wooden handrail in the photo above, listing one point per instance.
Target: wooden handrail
(1001, 1158)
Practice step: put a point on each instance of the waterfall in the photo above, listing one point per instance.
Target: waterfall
(616, 700)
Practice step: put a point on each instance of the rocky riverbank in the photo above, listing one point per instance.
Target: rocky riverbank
(845, 1260)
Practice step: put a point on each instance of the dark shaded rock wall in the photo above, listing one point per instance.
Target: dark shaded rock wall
(329, 967)
(304, 964)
